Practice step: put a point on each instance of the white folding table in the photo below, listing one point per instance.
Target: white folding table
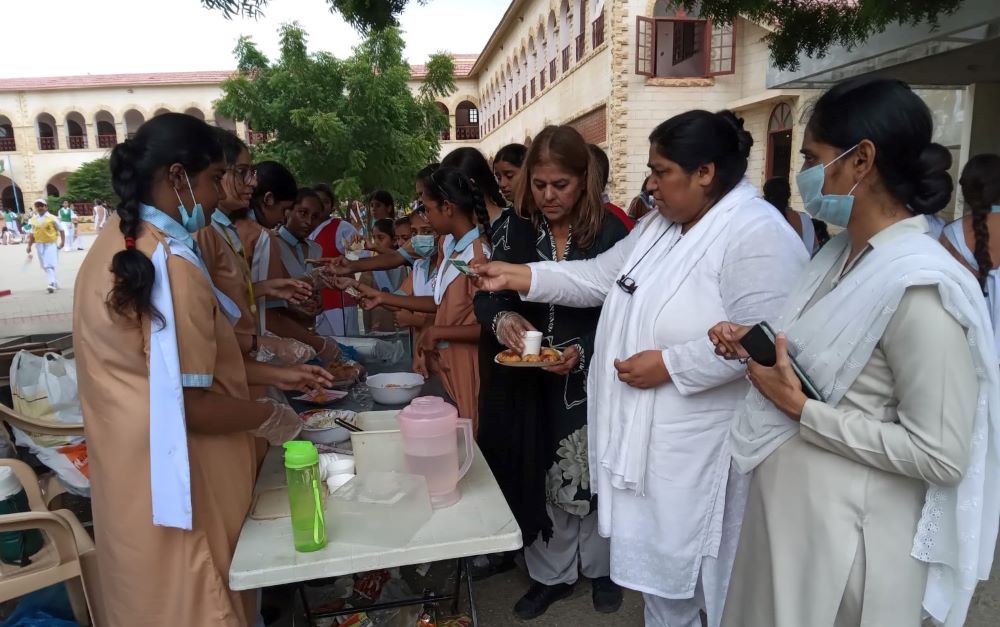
(480, 523)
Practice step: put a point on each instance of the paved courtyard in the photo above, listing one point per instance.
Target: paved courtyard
(29, 309)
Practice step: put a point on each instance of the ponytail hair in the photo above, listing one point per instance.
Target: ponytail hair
(451, 185)
(135, 164)
(475, 167)
(980, 182)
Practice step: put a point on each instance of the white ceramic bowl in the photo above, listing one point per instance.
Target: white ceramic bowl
(395, 388)
(320, 428)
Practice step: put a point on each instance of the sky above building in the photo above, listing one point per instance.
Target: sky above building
(69, 37)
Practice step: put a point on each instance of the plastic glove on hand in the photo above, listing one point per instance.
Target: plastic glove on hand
(281, 426)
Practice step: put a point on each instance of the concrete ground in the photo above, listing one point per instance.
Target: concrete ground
(29, 309)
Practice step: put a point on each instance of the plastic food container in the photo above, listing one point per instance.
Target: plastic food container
(379, 509)
(395, 388)
(320, 426)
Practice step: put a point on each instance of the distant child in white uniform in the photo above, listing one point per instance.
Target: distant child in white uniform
(46, 229)
(69, 222)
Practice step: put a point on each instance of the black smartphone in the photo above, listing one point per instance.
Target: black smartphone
(759, 344)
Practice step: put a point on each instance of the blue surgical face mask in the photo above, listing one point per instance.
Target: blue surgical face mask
(833, 209)
(194, 221)
(424, 245)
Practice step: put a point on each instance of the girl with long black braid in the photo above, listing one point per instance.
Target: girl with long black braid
(164, 391)
(969, 239)
(449, 347)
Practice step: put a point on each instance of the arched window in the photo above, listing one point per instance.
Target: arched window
(76, 131)
(7, 143)
(597, 26)
(553, 46)
(107, 135)
(581, 30)
(779, 141)
(133, 120)
(46, 125)
(196, 113)
(466, 121)
(446, 133)
(675, 43)
(564, 34)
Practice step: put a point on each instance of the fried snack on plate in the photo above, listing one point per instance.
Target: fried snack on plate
(509, 357)
(532, 359)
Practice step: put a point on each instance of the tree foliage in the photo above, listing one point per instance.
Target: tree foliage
(364, 15)
(90, 181)
(812, 27)
(352, 121)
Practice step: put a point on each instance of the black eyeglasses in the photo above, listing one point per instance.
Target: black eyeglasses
(246, 173)
(627, 283)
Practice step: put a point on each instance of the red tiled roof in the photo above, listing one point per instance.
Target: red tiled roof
(463, 66)
(114, 80)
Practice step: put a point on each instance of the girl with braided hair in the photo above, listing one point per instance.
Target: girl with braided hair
(169, 421)
(968, 239)
(449, 347)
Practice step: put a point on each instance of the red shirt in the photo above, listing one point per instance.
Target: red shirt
(621, 215)
(326, 237)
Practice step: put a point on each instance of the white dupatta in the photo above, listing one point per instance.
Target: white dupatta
(623, 418)
(169, 467)
(833, 341)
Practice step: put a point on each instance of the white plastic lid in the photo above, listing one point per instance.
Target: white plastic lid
(336, 481)
(9, 485)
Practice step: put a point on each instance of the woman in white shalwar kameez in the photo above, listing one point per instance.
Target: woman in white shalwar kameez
(660, 400)
(878, 505)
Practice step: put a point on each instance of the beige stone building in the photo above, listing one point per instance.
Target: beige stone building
(50, 126)
(615, 69)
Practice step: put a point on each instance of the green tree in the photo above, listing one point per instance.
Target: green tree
(362, 14)
(353, 121)
(811, 27)
(90, 181)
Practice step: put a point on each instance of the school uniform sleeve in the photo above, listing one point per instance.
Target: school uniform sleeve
(195, 309)
(934, 382)
(275, 270)
(754, 283)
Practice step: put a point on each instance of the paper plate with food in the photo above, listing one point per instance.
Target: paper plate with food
(546, 358)
(321, 397)
(323, 426)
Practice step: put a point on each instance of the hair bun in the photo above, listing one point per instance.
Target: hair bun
(934, 187)
(743, 137)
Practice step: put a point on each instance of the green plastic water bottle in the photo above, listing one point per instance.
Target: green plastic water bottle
(305, 496)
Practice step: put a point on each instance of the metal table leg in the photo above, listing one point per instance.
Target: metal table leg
(458, 586)
(472, 597)
(305, 605)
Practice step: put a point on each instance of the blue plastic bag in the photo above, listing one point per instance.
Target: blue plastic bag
(48, 607)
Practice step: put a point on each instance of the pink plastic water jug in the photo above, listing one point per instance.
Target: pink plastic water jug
(430, 446)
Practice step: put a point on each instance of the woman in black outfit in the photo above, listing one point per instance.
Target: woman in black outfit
(533, 428)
